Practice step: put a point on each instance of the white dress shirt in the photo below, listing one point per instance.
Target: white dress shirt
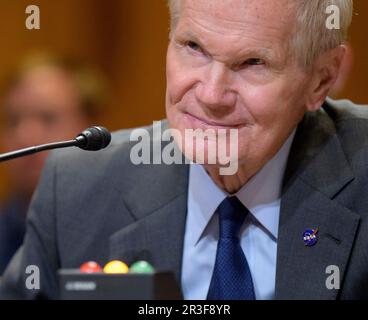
(262, 196)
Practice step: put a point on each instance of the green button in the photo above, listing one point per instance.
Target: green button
(141, 267)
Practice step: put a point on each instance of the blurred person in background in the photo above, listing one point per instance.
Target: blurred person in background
(46, 99)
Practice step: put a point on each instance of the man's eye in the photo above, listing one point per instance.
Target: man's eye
(251, 62)
(194, 46)
(254, 62)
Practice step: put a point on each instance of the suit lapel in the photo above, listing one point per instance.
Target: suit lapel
(157, 238)
(317, 173)
(156, 198)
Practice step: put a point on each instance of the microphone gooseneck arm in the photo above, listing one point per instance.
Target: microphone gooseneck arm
(91, 139)
(32, 150)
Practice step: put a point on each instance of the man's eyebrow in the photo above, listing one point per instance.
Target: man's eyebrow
(252, 52)
(188, 34)
(258, 52)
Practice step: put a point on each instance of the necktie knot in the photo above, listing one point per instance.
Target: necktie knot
(232, 214)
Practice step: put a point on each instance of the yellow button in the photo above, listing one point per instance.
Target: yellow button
(116, 267)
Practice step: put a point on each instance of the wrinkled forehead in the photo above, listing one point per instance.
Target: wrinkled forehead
(237, 15)
(228, 29)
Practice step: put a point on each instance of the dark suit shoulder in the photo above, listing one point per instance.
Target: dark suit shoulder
(351, 124)
(350, 121)
(345, 110)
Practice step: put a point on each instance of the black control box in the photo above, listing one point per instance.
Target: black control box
(75, 285)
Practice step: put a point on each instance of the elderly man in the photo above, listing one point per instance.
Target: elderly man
(290, 219)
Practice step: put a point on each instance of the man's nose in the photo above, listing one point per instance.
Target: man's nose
(214, 90)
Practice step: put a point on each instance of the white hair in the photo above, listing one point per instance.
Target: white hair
(311, 35)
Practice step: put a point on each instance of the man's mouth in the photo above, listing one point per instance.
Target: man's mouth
(211, 123)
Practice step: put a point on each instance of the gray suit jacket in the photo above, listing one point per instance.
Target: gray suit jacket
(99, 206)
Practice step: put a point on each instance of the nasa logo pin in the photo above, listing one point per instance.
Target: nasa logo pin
(310, 237)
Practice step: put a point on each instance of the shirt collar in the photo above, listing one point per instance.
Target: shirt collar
(261, 195)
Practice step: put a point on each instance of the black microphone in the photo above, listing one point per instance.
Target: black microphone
(91, 139)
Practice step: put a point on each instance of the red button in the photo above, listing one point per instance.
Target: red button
(90, 267)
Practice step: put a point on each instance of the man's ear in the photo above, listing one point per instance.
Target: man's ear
(324, 75)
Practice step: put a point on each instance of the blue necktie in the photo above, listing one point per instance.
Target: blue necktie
(231, 279)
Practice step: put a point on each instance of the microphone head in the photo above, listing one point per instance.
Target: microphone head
(93, 139)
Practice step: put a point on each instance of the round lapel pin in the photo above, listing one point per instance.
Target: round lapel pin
(310, 237)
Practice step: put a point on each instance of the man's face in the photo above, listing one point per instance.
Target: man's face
(43, 107)
(229, 66)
